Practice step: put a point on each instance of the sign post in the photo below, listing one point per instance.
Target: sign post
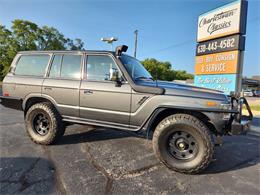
(219, 52)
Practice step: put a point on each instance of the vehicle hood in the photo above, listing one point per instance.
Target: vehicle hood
(179, 89)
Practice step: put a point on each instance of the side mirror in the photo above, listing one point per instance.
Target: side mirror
(114, 76)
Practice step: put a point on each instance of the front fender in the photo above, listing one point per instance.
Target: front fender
(212, 118)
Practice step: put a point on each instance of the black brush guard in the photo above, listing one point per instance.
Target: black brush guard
(240, 123)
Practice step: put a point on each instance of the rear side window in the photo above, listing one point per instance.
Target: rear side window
(66, 66)
(32, 65)
(70, 67)
(55, 67)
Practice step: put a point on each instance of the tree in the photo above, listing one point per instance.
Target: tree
(51, 39)
(8, 49)
(25, 35)
(159, 70)
(76, 45)
(164, 71)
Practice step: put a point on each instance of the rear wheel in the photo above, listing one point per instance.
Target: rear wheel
(183, 143)
(44, 124)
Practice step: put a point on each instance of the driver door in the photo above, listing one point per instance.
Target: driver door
(101, 100)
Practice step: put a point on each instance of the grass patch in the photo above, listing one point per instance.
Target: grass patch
(254, 107)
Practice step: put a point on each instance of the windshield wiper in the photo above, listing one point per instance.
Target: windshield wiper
(143, 78)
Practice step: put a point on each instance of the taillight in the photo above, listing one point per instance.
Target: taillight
(6, 94)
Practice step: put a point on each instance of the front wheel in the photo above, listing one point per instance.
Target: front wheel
(183, 143)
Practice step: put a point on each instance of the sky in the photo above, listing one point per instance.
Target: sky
(167, 28)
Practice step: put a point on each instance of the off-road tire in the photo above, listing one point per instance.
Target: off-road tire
(193, 126)
(57, 127)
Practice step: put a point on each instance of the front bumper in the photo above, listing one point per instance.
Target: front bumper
(241, 123)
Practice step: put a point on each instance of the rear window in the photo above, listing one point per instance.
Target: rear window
(70, 67)
(66, 66)
(32, 65)
(55, 67)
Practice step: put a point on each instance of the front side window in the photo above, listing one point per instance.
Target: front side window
(101, 68)
(66, 66)
(32, 65)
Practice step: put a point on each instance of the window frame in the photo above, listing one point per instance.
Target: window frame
(32, 54)
(84, 78)
(82, 55)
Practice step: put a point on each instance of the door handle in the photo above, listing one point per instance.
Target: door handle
(47, 88)
(87, 91)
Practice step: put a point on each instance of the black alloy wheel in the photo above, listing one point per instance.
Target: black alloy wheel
(182, 145)
(41, 123)
(44, 124)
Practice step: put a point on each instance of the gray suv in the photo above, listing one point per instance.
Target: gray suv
(110, 89)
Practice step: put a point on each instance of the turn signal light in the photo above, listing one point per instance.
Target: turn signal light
(211, 104)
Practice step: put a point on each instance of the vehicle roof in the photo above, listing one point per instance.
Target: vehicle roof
(66, 51)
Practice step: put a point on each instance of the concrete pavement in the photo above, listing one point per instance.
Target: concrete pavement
(255, 126)
(105, 161)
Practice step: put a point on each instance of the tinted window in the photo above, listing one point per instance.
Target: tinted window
(55, 67)
(32, 65)
(70, 67)
(100, 68)
(135, 68)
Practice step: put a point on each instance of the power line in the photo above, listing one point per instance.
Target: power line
(172, 46)
(255, 19)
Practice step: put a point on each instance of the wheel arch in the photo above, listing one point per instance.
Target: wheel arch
(33, 99)
(160, 113)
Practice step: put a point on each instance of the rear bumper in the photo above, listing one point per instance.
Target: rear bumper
(11, 102)
(241, 123)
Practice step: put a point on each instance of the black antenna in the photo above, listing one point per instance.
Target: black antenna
(136, 34)
(156, 75)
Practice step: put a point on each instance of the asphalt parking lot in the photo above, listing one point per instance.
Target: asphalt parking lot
(105, 161)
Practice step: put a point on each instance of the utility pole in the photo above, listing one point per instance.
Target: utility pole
(136, 34)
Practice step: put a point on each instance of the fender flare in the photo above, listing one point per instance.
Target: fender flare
(38, 95)
(149, 122)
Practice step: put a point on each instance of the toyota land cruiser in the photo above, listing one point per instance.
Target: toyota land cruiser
(111, 89)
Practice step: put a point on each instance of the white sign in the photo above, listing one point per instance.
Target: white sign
(220, 22)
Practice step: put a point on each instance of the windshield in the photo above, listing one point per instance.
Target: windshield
(135, 68)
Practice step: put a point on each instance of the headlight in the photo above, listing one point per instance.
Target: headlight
(225, 106)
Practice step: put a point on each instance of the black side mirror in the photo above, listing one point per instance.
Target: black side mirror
(114, 76)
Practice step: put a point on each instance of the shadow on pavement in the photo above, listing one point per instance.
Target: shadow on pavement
(237, 152)
(94, 135)
(26, 176)
(256, 121)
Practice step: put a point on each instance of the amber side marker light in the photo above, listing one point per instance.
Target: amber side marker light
(211, 104)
